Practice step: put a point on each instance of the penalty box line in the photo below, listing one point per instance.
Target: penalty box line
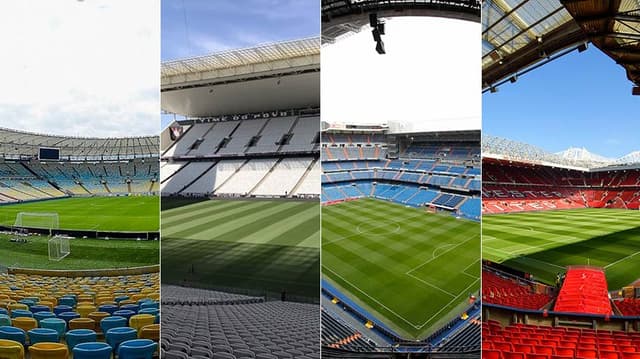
(374, 299)
(443, 253)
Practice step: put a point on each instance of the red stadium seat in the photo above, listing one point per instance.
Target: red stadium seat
(587, 353)
(523, 348)
(511, 355)
(538, 356)
(565, 351)
(491, 354)
(503, 346)
(609, 355)
(545, 349)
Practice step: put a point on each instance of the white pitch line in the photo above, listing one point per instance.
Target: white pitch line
(464, 271)
(448, 250)
(452, 300)
(551, 264)
(385, 223)
(431, 285)
(620, 260)
(433, 254)
(374, 299)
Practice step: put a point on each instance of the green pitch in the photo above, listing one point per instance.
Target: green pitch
(544, 243)
(118, 214)
(85, 253)
(411, 269)
(254, 245)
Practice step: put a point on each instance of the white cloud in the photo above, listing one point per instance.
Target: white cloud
(84, 68)
(430, 77)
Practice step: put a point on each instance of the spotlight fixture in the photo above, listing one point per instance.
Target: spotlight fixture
(493, 89)
(513, 79)
(376, 35)
(377, 32)
(583, 47)
(635, 91)
(373, 19)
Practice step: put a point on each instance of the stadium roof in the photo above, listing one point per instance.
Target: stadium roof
(613, 27)
(506, 149)
(519, 35)
(19, 144)
(281, 75)
(340, 17)
(243, 59)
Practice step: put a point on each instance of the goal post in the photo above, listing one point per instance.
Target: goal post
(58, 248)
(41, 220)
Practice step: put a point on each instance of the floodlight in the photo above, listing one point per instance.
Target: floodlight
(583, 47)
(380, 47)
(373, 19)
(376, 35)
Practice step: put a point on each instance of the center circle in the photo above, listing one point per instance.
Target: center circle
(378, 228)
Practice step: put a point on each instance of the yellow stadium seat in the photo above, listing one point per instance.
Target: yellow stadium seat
(49, 351)
(139, 321)
(50, 299)
(24, 323)
(10, 349)
(82, 323)
(151, 331)
(97, 317)
(14, 306)
(84, 310)
(47, 304)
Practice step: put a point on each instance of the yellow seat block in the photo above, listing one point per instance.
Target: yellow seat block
(10, 349)
(49, 351)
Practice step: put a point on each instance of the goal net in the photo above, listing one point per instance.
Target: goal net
(58, 248)
(43, 220)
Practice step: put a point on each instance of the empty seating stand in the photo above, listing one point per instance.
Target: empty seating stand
(336, 334)
(237, 328)
(500, 290)
(629, 306)
(530, 341)
(584, 290)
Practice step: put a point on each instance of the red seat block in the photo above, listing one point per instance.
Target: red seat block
(587, 353)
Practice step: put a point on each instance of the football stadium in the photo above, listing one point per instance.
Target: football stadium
(63, 200)
(79, 244)
(401, 172)
(400, 215)
(551, 226)
(560, 229)
(240, 185)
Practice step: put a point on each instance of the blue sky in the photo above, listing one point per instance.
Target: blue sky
(214, 26)
(580, 100)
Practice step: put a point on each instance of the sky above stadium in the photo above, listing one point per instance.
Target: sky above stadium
(428, 80)
(580, 100)
(201, 27)
(82, 68)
